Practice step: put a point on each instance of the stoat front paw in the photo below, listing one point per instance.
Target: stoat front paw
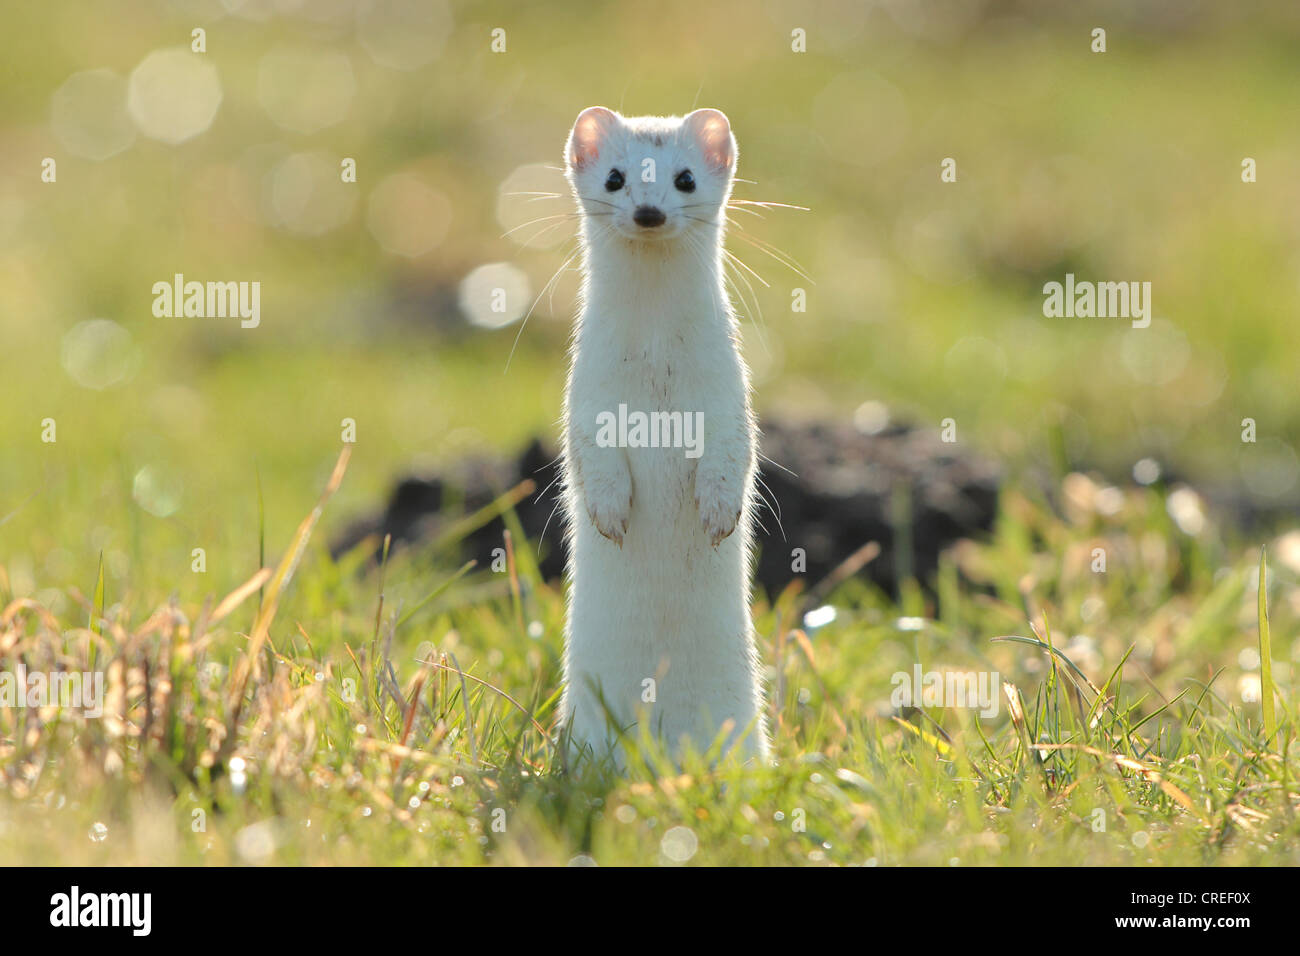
(719, 505)
(609, 505)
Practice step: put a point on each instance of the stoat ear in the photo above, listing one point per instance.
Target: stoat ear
(589, 132)
(712, 133)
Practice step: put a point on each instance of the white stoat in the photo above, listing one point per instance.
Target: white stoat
(658, 635)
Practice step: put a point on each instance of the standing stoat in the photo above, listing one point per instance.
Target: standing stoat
(659, 444)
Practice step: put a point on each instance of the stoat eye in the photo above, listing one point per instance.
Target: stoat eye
(685, 181)
(615, 181)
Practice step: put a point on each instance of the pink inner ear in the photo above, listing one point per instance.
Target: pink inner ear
(588, 132)
(713, 133)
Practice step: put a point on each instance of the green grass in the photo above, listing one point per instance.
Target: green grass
(358, 718)
(1144, 689)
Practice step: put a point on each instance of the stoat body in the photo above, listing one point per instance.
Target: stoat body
(658, 634)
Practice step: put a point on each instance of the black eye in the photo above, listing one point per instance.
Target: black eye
(615, 181)
(685, 181)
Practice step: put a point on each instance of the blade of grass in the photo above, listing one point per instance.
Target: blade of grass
(1265, 653)
(469, 711)
(464, 569)
(261, 531)
(283, 574)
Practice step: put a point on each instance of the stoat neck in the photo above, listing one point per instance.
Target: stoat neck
(667, 278)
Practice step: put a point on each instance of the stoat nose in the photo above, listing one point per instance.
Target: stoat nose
(648, 216)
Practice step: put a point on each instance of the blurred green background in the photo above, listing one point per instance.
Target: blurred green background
(925, 296)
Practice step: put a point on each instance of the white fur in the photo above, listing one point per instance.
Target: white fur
(659, 543)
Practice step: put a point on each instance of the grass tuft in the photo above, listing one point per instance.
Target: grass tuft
(1122, 735)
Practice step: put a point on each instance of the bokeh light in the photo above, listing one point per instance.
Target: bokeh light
(99, 353)
(158, 489)
(88, 115)
(174, 95)
(307, 196)
(305, 90)
(495, 295)
(535, 207)
(1270, 467)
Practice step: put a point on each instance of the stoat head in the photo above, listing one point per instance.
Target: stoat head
(651, 178)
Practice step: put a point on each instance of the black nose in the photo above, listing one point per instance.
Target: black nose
(648, 216)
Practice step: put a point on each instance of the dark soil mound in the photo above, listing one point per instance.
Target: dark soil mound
(829, 490)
